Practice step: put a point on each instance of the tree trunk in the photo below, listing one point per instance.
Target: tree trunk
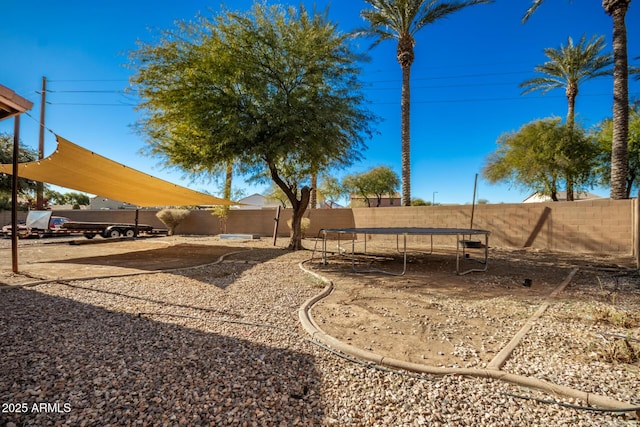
(572, 93)
(570, 194)
(228, 180)
(299, 208)
(631, 178)
(619, 147)
(405, 58)
(406, 137)
(314, 194)
(553, 191)
(226, 194)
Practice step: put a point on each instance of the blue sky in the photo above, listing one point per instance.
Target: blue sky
(465, 81)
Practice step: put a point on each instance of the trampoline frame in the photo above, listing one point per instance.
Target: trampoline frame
(462, 244)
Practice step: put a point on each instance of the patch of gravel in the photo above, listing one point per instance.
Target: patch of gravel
(221, 345)
(591, 343)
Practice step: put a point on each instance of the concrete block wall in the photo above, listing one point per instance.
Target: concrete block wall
(599, 226)
(602, 226)
(262, 222)
(5, 217)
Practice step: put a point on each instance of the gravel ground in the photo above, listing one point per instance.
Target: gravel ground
(221, 345)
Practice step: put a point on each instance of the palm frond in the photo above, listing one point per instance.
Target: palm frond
(571, 64)
(542, 84)
(436, 10)
(407, 17)
(535, 5)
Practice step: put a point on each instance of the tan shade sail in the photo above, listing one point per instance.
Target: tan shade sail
(74, 167)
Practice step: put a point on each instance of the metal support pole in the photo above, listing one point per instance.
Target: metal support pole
(324, 247)
(135, 227)
(14, 195)
(473, 205)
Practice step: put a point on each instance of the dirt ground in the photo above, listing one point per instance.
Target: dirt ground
(429, 315)
(433, 316)
(78, 257)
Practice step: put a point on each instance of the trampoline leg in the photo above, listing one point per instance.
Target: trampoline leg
(324, 248)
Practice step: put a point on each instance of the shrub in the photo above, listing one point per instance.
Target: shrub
(172, 218)
(304, 225)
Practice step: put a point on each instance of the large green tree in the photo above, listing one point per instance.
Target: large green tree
(566, 69)
(400, 20)
(373, 184)
(70, 198)
(604, 137)
(331, 190)
(542, 156)
(275, 194)
(6, 156)
(617, 9)
(275, 89)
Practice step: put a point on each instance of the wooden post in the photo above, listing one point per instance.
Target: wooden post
(14, 195)
(275, 226)
(40, 185)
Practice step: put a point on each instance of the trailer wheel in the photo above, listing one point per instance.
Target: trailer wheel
(129, 232)
(114, 233)
(89, 236)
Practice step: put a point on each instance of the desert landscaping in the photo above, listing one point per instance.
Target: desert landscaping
(198, 330)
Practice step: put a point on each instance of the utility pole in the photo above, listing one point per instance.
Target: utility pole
(40, 185)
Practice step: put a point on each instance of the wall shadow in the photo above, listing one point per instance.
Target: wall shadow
(553, 235)
(544, 216)
(104, 367)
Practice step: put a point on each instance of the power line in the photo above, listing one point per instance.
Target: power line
(395, 80)
(467, 100)
(447, 86)
(372, 88)
(460, 76)
(88, 80)
(436, 101)
(90, 91)
(442, 77)
(96, 104)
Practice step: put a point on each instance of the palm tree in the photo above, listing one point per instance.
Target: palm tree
(400, 20)
(617, 9)
(567, 67)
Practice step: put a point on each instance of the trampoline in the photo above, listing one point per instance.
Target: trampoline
(463, 237)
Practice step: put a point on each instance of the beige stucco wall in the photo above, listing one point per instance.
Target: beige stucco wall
(598, 226)
(602, 226)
